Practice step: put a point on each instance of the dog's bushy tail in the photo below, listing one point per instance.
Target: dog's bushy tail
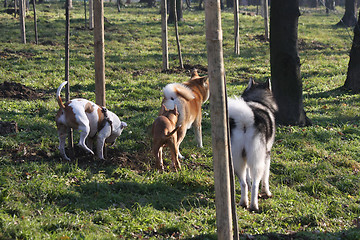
(58, 97)
(174, 90)
(173, 131)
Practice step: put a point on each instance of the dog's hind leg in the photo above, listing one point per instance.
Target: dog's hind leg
(62, 131)
(265, 190)
(256, 160)
(159, 159)
(174, 156)
(84, 132)
(180, 137)
(197, 128)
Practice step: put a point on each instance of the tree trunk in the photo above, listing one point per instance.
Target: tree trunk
(353, 74)
(99, 52)
(349, 19)
(285, 62)
(329, 5)
(22, 20)
(225, 207)
(266, 18)
(85, 22)
(35, 23)
(164, 35)
(91, 14)
(236, 28)
(175, 6)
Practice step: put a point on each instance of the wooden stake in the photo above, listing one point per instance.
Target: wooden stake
(99, 52)
(164, 35)
(67, 89)
(219, 124)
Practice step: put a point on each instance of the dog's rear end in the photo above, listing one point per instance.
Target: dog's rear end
(164, 132)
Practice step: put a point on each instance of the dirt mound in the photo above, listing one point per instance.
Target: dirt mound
(19, 91)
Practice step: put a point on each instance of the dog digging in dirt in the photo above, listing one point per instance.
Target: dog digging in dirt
(91, 120)
(188, 97)
(164, 133)
(252, 132)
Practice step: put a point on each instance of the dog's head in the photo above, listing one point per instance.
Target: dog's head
(116, 132)
(171, 114)
(201, 82)
(260, 92)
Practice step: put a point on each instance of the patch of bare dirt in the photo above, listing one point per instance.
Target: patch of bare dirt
(18, 91)
(8, 53)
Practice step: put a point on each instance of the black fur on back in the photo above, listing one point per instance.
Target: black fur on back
(260, 94)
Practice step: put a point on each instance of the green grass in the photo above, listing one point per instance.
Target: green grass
(314, 171)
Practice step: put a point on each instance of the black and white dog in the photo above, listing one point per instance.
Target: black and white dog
(252, 132)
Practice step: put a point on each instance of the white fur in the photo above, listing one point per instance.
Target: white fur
(255, 166)
(88, 126)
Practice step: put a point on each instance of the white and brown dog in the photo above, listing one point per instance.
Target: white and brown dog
(188, 97)
(164, 133)
(90, 119)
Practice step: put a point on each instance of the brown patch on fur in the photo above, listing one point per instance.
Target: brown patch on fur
(101, 117)
(89, 108)
(70, 116)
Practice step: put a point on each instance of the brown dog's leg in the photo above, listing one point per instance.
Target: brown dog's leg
(180, 137)
(197, 130)
(174, 155)
(158, 158)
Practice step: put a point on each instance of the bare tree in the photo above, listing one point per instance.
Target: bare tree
(266, 18)
(22, 20)
(349, 18)
(35, 23)
(353, 74)
(164, 35)
(175, 6)
(236, 28)
(181, 65)
(91, 14)
(285, 62)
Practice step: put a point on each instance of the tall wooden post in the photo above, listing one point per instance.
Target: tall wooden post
(35, 23)
(164, 35)
(219, 123)
(99, 52)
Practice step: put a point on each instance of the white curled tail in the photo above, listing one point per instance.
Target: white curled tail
(58, 97)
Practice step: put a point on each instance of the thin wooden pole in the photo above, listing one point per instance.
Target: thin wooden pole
(85, 23)
(22, 20)
(236, 28)
(35, 23)
(266, 18)
(164, 35)
(67, 89)
(181, 65)
(99, 52)
(219, 133)
(91, 14)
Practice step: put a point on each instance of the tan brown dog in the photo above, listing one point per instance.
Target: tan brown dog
(164, 132)
(188, 97)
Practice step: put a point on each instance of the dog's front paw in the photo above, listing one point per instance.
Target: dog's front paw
(180, 156)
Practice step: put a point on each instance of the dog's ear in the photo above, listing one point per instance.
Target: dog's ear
(194, 73)
(268, 84)
(164, 108)
(250, 84)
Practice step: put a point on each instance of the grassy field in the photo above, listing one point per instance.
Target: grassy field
(314, 178)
